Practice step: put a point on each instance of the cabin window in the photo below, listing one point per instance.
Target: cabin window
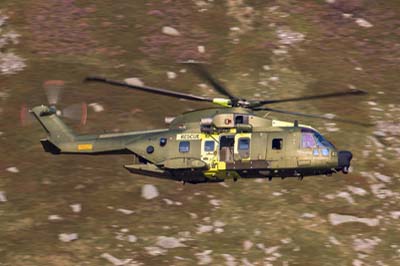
(184, 146)
(241, 119)
(307, 140)
(277, 144)
(163, 142)
(209, 145)
(150, 149)
(244, 144)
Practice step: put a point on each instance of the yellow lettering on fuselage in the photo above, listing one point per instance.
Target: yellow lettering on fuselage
(188, 136)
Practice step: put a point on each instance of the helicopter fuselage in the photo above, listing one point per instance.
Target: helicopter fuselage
(209, 145)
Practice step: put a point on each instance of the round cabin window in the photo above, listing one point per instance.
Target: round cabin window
(150, 149)
(163, 142)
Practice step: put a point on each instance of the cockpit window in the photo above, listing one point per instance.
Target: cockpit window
(321, 141)
(313, 139)
(307, 140)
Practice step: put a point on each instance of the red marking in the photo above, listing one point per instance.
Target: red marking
(23, 115)
(53, 83)
(84, 114)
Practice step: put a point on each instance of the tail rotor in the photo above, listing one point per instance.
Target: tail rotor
(53, 90)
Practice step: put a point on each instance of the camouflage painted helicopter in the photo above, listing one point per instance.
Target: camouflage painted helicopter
(213, 144)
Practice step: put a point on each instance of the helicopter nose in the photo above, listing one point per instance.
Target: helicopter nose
(344, 158)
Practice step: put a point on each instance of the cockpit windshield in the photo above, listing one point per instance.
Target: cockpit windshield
(313, 139)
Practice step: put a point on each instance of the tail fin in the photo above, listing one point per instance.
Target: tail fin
(57, 131)
(61, 139)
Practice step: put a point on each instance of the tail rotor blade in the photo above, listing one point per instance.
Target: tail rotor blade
(77, 112)
(53, 90)
(25, 117)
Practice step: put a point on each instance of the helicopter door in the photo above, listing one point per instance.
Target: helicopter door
(276, 149)
(209, 152)
(226, 148)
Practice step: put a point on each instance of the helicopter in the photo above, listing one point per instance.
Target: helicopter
(212, 144)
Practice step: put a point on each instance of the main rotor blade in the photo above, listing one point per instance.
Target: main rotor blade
(202, 72)
(313, 116)
(314, 97)
(159, 91)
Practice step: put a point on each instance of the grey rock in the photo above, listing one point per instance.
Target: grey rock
(382, 177)
(346, 195)
(169, 242)
(97, 107)
(357, 190)
(125, 211)
(201, 49)
(68, 237)
(363, 23)
(3, 197)
(149, 192)
(13, 169)
(380, 191)
(334, 241)
(219, 223)
(395, 214)
(365, 245)
(204, 257)
(168, 201)
(76, 207)
(115, 261)
(170, 31)
(171, 75)
(134, 81)
(229, 260)
(155, 251)
(308, 215)
(204, 229)
(132, 238)
(219, 230)
(215, 202)
(289, 37)
(3, 19)
(11, 63)
(55, 217)
(336, 219)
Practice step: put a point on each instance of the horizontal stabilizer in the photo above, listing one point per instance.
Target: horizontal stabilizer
(49, 147)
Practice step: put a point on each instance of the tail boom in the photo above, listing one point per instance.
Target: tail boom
(61, 139)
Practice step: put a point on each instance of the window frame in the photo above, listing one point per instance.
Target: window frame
(248, 144)
(187, 148)
(206, 146)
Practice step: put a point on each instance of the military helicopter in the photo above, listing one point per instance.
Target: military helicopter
(212, 144)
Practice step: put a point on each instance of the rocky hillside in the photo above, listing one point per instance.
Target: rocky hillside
(72, 210)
